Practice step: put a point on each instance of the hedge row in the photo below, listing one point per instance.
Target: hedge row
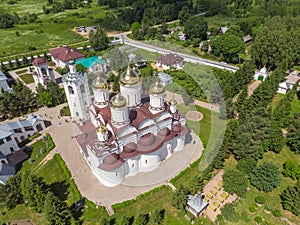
(150, 192)
(51, 142)
(123, 204)
(68, 175)
(26, 141)
(139, 197)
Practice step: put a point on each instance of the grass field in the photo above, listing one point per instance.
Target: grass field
(35, 155)
(52, 29)
(276, 100)
(295, 105)
(27, 78)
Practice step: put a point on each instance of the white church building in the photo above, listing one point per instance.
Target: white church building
(127, 133)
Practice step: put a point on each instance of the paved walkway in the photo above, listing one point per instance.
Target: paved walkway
(88, 184)
(178, 98)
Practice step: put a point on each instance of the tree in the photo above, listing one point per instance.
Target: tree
(235, 182)
(183, 15)
(229, 213)
(196, 185)
(157, 216)
(227, 46)
(141, 219)
(98, 40)
(52, 95)
(34, 191)
(246, 165)
(80, 68)
(265, 177)
(179, 198)
(294, 142)
(291, 199)
(281, 34)
(276, 139)
(134, 28)
(56, 211)
(291, 169)
(195, 27)
(6, 20)
(124, 220)
(11, 193)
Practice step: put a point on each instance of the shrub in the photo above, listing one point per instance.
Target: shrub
(252, 209)
(260, 199)
(268, 207)
(258, 219)
(42, 150)
(31, 160)
(276, 213)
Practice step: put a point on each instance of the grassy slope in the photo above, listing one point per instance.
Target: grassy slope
(55, 29)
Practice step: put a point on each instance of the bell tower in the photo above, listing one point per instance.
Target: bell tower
(77, 92)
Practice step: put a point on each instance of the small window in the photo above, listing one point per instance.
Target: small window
(8, 138)
(71, 90)
(77, 114)
(132, 165)
(82, 89)
(3, 162)
(1, 141)
(74, 104)
(12, 149)
(146, 161)
(116, 174)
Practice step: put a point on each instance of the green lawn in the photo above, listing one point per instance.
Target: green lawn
(19, 72)
(295, 105)
(52, 29)
(27, 78)
(276, 100)
(54, 176)
(36, 155)
(158, 200)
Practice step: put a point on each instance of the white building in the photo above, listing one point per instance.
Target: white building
(12, 133)
(261, 75)
(129, 133)
(77, 92)
(164, 78)
(62, 55)
(3, 82)
(42, 74)
(285, 86)
(170, 61)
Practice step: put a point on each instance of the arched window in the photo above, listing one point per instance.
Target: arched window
(11, 149)
(82, 89)
(71, 90)
(77, 114)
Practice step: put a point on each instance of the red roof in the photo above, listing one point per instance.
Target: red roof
(39, 62)
(170, 59)
(65, 53)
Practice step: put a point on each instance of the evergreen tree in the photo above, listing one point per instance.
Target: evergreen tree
(179, 198)
(157, 216)
(98, 40)
(141, 219)
(56, 211)
(235, 182)
(196, 185)
(294, 142)
(291, 199)
(265, 177)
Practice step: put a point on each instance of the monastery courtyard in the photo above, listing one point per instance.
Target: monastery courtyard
(62, 133)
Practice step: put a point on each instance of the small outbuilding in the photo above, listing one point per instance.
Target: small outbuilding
(170, 61)
(196, 204)
(247, 38)
(164, 78)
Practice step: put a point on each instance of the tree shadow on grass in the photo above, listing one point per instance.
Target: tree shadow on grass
(60, 189)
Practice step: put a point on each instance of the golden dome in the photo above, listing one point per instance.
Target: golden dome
(118, 101)
(99, 84)
(157, 88)
(130, 76)
(101, 130)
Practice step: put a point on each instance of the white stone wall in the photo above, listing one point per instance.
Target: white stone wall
(6, 147)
